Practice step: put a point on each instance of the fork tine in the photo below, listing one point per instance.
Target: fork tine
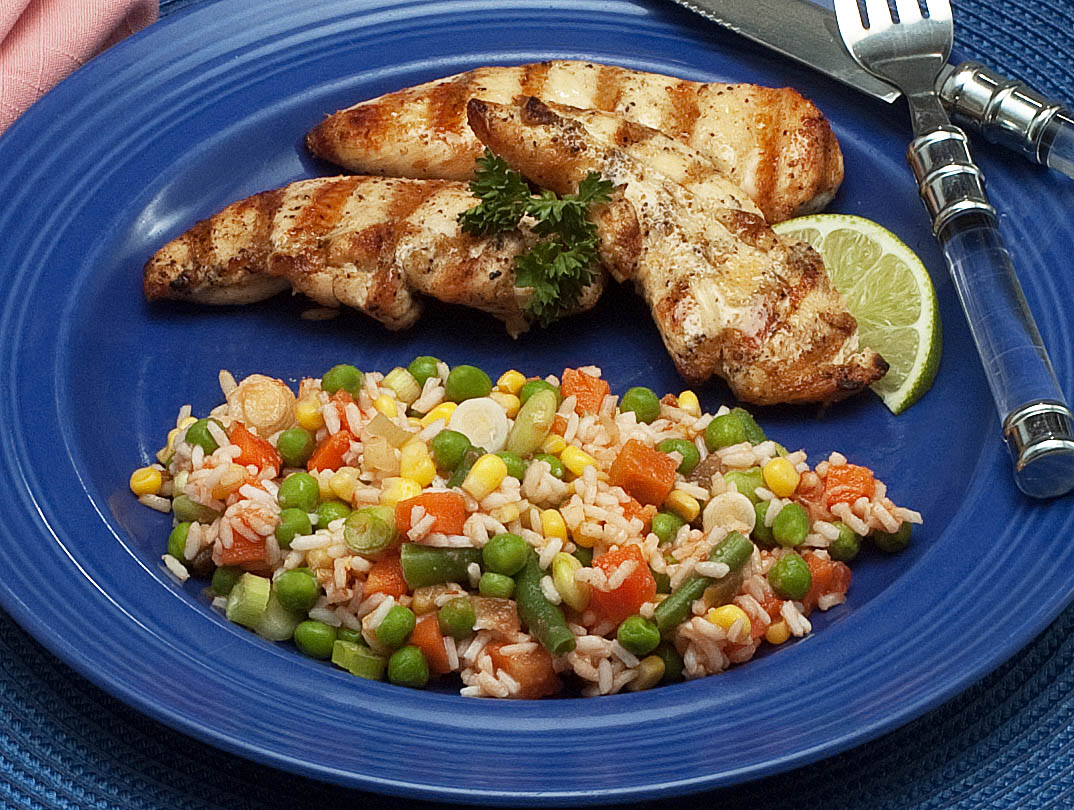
(909, 11)
(939, 10)
(879, 15)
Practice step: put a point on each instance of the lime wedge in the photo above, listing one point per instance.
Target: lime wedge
(888, 290)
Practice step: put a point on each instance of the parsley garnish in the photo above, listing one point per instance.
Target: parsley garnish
(560, 265)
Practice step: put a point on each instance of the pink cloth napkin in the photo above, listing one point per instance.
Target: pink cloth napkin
(41, 41)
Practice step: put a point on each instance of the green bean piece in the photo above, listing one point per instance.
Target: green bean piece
(791, 525)
(762, 535)
(466, 382)
(691, 457)
(496, 586)
(299, 490)
(358, 659)
(396, 626)
(423, 367)
(724, 589)
(673, 663)
(408, 667)
(432, 565)
(746, 481)
(638, 635)
(370, 531)
(754, 433)
(294, 522)
(734, 550)
(224, 579)
(463, 469)
(533, 423)
(315, 639)
(297, 591)
(295, 446)
(642, 402)
(531, 387)
(198, 433)
(177, 540)
(723, 431)
(544, 620)
(663, 581)
(583, 555)
(556, 466)
(505, 554)
(327, 511)
(666, 526)
(845, 547)
(448, 448)
(892, 542)
(516, 467)
(342, 377)
(349, 634)
(188, 511)
(790, 577)
(456, 617)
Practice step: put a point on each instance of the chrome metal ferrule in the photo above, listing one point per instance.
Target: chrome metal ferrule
(1040, 436)
(1005, 111)
(948, 180)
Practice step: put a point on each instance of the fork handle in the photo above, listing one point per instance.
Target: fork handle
(1037, 423)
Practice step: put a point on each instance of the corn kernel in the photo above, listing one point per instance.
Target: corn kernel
(441, 411)
(387, 406)
(688, 402)
(650, 673)
(308, 413)
(416, 464)
(576, 460)
(781, 477)
(506, 513)
(583, 538)
(725, 616)
(485, 476)
(318, 558)
(397, 489)
(413, 421)
(553, 525)
(553, 444)
(573, 593)
(324, 484)
(343, 483)
(683, 505)
(233, 477)
(146, 481)
(509, 402)
(511, 382)
(777, 632)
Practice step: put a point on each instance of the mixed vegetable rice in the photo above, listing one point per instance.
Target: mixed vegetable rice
(523, 535)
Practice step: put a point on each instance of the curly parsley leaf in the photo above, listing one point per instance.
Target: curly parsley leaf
(504, 196)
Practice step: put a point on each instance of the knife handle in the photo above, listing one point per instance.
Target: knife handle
(1010, 113)
(1037, 423)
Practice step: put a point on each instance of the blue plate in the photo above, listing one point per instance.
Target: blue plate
(211, 105)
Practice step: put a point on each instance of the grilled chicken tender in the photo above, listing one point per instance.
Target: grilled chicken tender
(773, 143)
(369, 243)
(728, 295)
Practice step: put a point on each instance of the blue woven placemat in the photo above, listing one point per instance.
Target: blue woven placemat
(1007, 742)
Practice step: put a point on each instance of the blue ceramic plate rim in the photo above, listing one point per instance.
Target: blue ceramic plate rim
(137, 629)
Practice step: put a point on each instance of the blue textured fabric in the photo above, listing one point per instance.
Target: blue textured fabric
(1007, 742)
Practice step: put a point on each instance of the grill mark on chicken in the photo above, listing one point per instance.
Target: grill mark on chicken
(531, 82)
(609, 88)
(447, 102)
(684, 112)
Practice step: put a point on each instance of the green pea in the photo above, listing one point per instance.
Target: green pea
(845, 547)
(448, 448)
(423, 367)
(754, 433)
(723, 431)
(762, 535)
(673, 663)
(638, 635)
(746, 481)
(299, 490)
(456, 617)
(293, 523)
(331, 510)
(467, 382)
(642, 402)
(315, 639)
(295, 446)
(558, 470)
(583, 555)
(342, 377)
(892, 542)
(791, 525)
(177, 540)
(690, 455)
(666, 525)
(516, 467)
(531, 387)
(496, 586)
(408, 667)
(349, 634)
(505, 554)
(198, 433)
(790, 577)
(296, 591)
(224, 579)
(186, 510)
(396, 626)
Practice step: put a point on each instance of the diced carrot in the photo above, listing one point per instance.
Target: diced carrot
(670, 399)
(533, 670)
(638, 588)
(329, 453)
(428, 638)
(449, 509)
(829, 576)
(243, 552)
(559, 424)
(386, 576)
(645, 473)
(848, 482)
(633, 509)
(340, 400)
(588, 391)
(253, 449)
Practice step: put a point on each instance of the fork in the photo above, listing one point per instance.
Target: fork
(909, 53)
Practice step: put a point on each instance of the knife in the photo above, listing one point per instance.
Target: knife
(1005, 111)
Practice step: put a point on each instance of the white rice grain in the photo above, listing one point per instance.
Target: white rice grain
(326, 615)
(176, 568)
(799, 625)
(473, 571)
(623, 654)
(451, 650)
(830, 600)
(712, 569)
(548, 588)
(227, 382)
(156, 502)
(604, 672)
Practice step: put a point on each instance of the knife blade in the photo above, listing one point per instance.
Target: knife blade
(1005, 111)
